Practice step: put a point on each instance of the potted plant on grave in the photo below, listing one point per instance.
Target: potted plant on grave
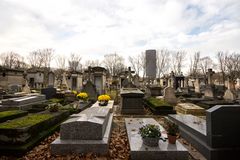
(150, 134)
(103, 99)
(82, 96)
(172, 130)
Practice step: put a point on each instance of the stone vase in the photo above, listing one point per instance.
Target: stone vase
(172, 139)
(103, 103)
(152, 142)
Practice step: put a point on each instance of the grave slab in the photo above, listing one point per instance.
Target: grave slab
(190, 108)
(89, 131)
(140, 151)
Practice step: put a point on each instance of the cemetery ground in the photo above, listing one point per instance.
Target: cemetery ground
(118, 145)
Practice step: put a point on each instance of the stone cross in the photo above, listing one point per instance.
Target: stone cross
(130, 74)
(209, 76)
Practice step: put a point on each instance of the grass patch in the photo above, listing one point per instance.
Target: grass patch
(25, 121)
(10, 113)
(158, 102)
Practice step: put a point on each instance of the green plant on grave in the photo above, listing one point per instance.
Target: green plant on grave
(150, 130)
(172, 128)
(54, 107)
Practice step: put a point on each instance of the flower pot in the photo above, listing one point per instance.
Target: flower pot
(172, 139)
(152, 142)
(103, 103)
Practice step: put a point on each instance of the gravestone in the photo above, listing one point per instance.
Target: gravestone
(210, 88)
(164, 150)
(169, 95)
(217, 137)
(229, 94)
(26, 88)
(131, 101)
(49, 92)
(88, 131)
(197, 86)
(90, 89)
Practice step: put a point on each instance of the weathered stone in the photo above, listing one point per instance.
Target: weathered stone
(189, 108)
(169, 95)
(229, 95)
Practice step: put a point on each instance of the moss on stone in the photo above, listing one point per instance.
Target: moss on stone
(25, 121)
(158, 102)
(9, 113)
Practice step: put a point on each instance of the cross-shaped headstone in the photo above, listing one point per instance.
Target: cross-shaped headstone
(209, 75)
(130, 74)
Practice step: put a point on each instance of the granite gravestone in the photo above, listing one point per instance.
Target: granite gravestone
(88, 131)
(49, 92)
(217, 137)
(131, 101)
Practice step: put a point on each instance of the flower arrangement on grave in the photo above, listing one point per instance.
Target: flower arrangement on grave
(82, 96)
(103, 99)
(150, 134)
(172, 130)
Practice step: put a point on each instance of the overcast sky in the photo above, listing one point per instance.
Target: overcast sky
(93, 28)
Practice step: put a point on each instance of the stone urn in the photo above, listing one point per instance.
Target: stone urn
(152, 142)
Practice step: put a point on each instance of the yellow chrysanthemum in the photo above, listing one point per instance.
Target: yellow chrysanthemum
(82, 95)
(104, 97)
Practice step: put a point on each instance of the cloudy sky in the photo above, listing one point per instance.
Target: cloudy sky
(93, 28)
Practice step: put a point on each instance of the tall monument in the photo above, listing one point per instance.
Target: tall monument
(151, 66)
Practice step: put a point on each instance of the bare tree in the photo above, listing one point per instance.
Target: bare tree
(60, 62)
(114, 63)
(74, 62)
(232, 63)
(162, 62)
(136, 63)
(177, 61)
(41, 58)
(221, 57)
(92, 63)
(194, 64)
(12, 60)
(205, 64)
